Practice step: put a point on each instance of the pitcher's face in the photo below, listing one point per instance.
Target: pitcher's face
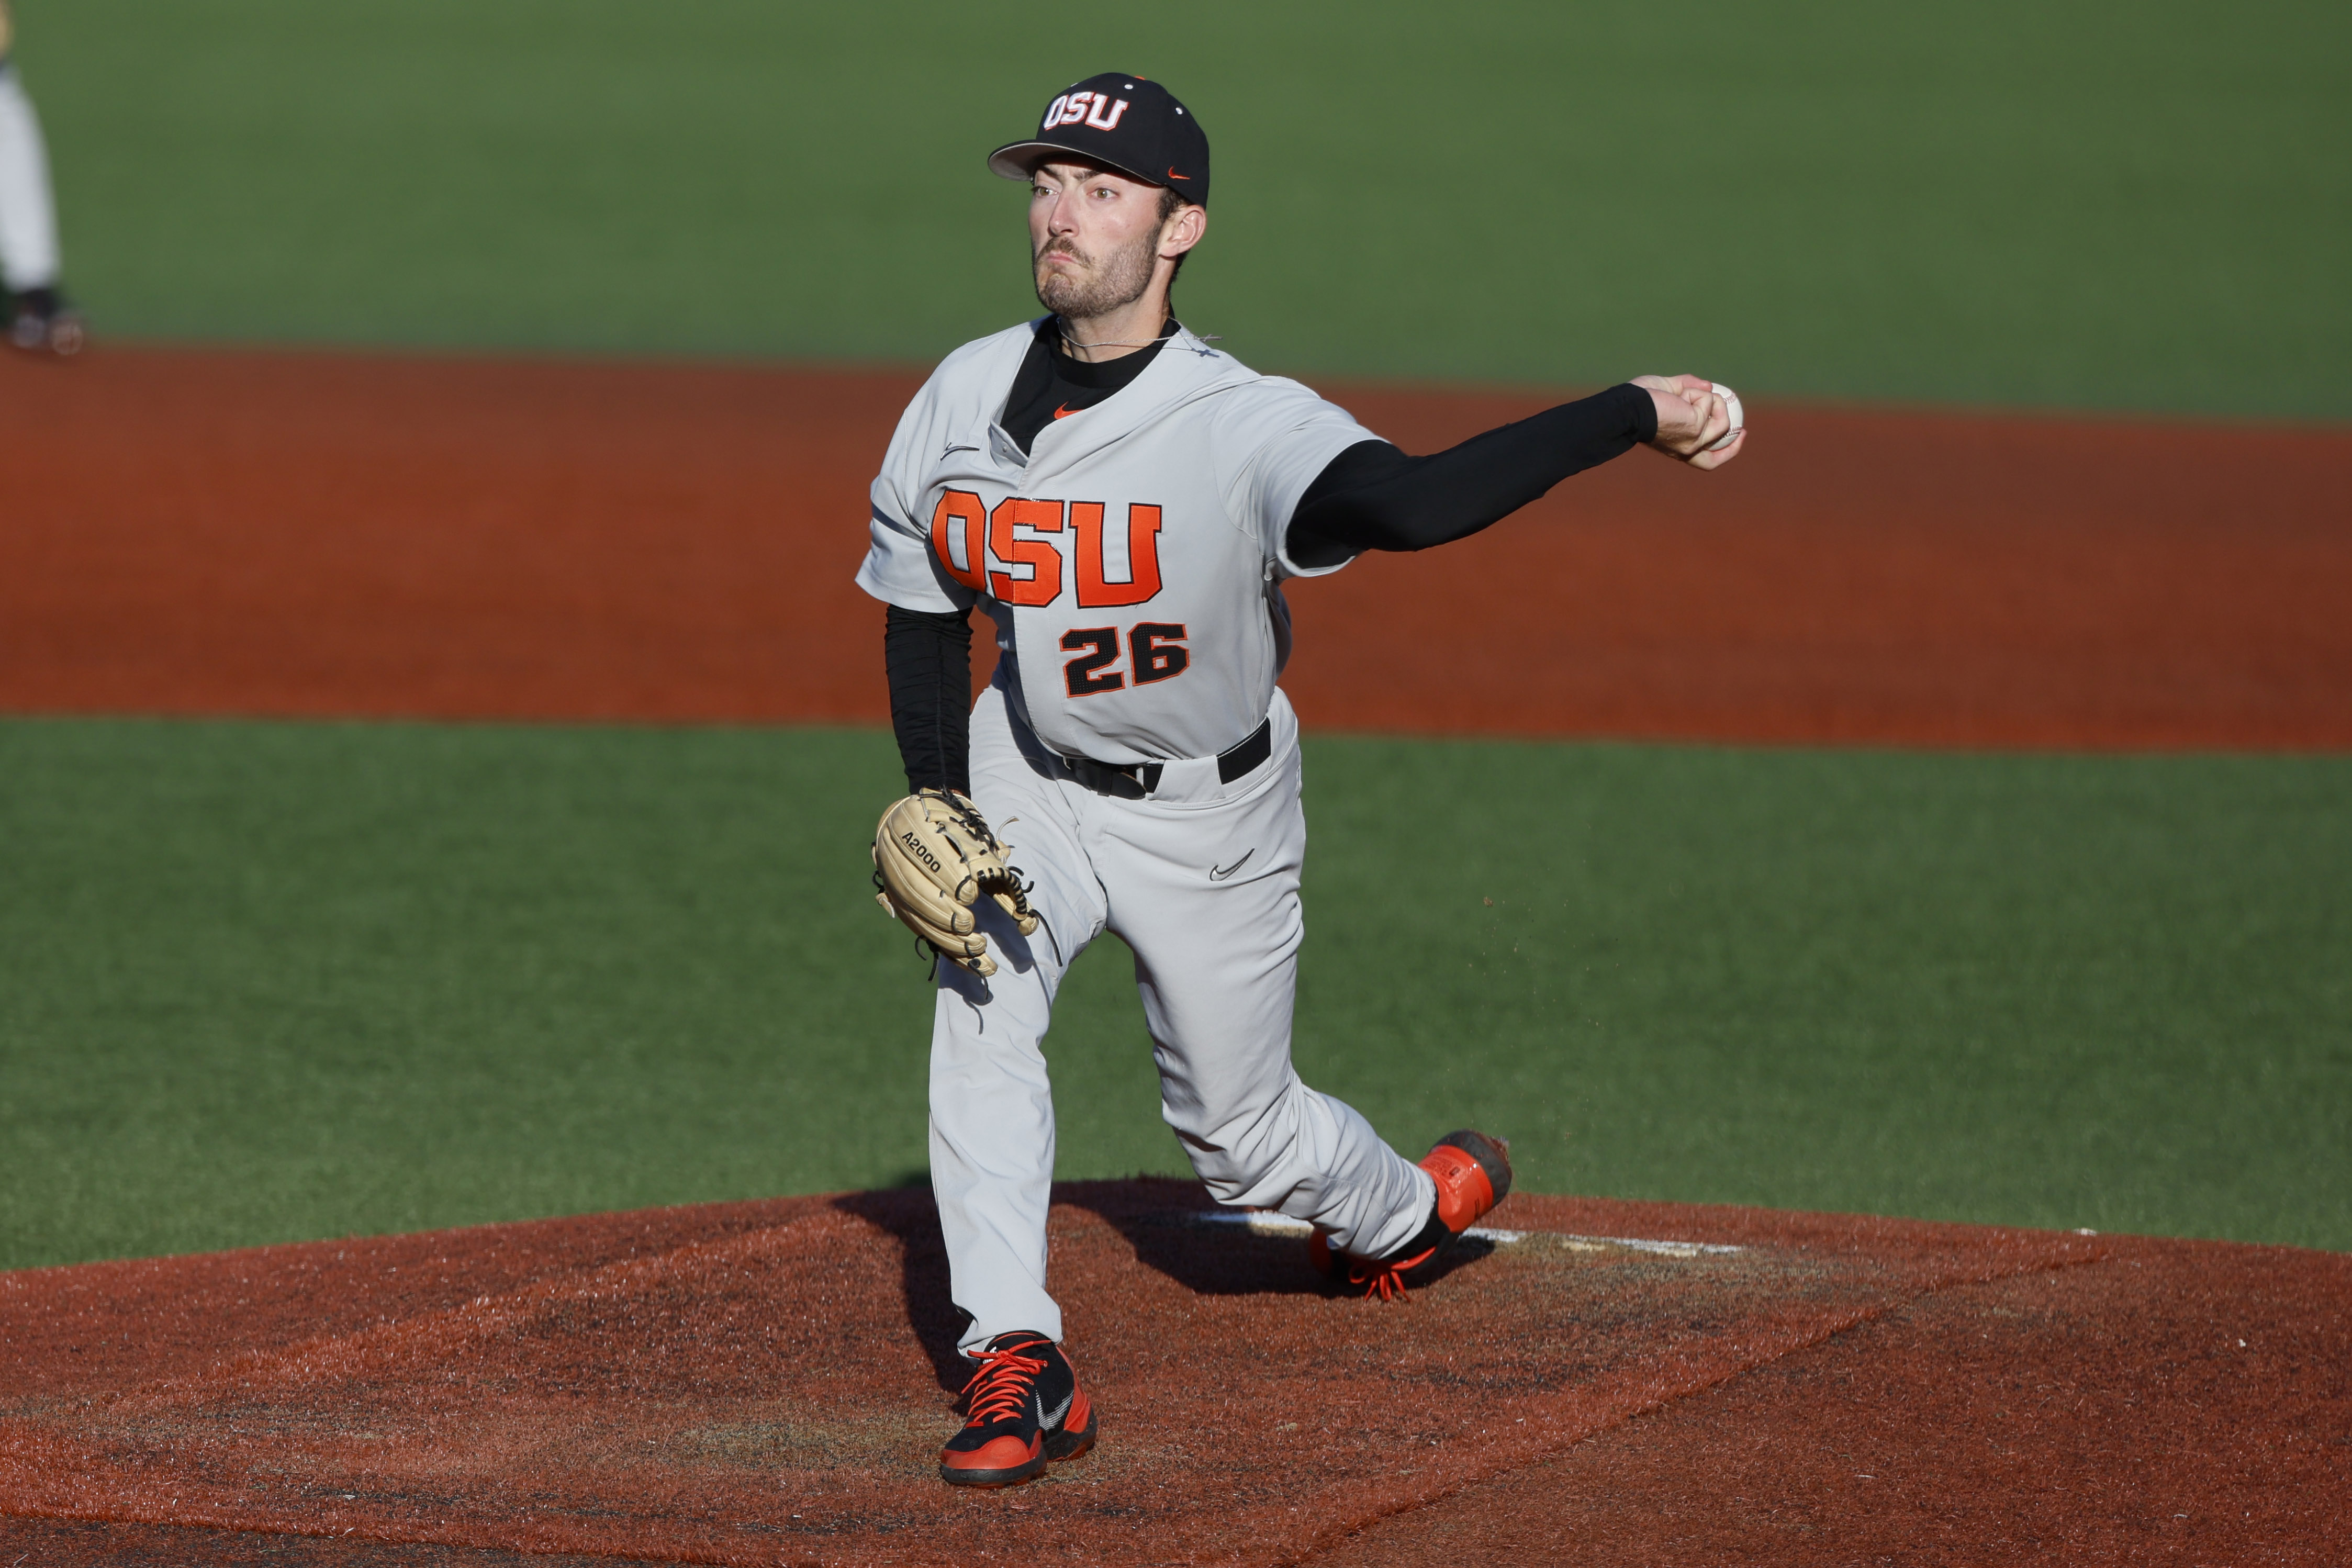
(1094, 237)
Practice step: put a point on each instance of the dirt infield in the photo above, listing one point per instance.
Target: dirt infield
(313, 534)
(767, 1382)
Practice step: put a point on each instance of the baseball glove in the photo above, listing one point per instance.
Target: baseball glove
(934, 859)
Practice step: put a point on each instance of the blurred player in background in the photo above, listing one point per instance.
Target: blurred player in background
(39, 320)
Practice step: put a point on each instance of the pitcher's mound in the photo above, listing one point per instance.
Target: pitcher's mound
(765, 1383)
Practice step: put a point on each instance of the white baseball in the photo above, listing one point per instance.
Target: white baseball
(1731, 407)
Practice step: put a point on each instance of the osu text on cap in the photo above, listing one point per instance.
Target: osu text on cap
(1096, 108)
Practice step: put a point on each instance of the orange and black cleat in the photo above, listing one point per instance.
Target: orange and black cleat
(1472, 1173)
(1022, 1410)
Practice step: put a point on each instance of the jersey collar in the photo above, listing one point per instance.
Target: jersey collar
(1183, 369)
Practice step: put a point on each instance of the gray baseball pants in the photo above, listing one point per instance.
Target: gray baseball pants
(1201, 880)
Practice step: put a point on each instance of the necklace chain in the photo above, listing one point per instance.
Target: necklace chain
(1062, 328)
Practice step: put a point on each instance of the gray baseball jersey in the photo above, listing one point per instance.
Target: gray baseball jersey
(1132, 559)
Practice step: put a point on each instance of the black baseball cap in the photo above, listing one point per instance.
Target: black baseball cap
(1123, 123)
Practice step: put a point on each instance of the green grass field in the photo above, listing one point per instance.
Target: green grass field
(2100, 206)
(273, 981)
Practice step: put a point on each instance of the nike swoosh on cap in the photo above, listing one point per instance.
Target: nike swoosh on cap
(1174, 175)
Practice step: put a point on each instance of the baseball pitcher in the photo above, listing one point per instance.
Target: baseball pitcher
(1125, 501)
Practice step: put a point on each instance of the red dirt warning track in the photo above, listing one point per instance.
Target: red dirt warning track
(766, 1383)
(285, 533)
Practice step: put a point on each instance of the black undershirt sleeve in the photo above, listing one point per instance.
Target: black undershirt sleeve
(1374, 497)
(928, 659)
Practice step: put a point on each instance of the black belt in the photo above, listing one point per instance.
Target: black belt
(1137, 780)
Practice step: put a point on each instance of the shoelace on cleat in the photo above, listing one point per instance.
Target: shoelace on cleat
(1385, 1281)
(998, 1391)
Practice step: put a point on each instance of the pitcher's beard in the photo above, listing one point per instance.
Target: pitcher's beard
(1120, 279)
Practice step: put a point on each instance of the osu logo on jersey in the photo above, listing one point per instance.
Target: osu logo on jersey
(967, 536)
(1094, 108)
